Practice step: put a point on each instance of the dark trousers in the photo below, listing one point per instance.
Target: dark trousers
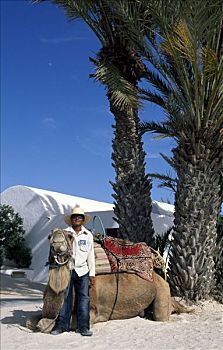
(81, 285)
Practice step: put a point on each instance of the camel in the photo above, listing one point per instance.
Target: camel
(114, 295)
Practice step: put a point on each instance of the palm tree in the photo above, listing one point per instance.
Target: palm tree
(119, 67)
(185, 72)
(169, 182)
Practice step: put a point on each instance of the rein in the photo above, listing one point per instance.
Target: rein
(58, 262)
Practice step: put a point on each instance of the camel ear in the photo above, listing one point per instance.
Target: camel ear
(50, 235)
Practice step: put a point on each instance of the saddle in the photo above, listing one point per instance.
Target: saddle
(115, 255)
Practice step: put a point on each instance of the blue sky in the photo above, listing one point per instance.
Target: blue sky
(56, 128)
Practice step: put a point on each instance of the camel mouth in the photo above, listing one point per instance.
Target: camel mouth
(57, 248)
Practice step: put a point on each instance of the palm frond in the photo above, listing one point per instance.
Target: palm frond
(154, 97)
(96, 14)
(123, 94)
(188, 54)
(168, 103)
(169, 160)
(160, 84)
(166, 181)
(159, 128)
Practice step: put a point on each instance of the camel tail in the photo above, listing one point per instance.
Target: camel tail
(179, 308)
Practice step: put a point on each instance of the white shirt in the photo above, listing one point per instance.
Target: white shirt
(83, 252)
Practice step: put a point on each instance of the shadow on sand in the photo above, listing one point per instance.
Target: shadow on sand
(18, 291)
(19, 317)
(21, 286)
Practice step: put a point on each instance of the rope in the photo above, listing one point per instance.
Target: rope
(60, 263)
(116, 296)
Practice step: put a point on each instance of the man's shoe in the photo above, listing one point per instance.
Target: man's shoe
(57, 331)
(86, 332)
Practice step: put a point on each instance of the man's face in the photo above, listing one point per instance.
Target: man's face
(77, 220)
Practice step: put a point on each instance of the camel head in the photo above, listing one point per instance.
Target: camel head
(61, 247)
(60, 241)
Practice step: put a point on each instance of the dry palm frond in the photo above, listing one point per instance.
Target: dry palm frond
(180, 42)
(210, 61)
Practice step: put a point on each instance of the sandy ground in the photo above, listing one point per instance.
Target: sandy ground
(20, 298)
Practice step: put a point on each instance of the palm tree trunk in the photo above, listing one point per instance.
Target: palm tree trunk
(132, 187)
(197, 205)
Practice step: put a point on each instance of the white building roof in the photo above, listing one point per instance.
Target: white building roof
(89, 205)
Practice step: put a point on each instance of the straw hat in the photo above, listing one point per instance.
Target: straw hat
(76, 211)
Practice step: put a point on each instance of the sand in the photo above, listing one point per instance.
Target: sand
(20, 298)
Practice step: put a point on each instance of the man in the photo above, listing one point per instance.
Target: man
(82, 275)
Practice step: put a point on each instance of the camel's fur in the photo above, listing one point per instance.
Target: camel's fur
(127, 295)
(114, 296)
(59, 277)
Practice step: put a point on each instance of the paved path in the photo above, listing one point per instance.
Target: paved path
(19, 288)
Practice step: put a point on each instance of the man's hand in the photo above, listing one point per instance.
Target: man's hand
(91, 281)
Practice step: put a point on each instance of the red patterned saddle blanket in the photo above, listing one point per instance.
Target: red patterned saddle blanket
(126, 256)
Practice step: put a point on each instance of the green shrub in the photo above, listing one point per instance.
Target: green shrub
(22, 255)
(13, 245)
(2, 255)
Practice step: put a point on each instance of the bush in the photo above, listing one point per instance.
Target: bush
(13, 245)
(22, 255)
(2, 255)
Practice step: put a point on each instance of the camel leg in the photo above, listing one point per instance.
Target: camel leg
(93, 304)
(52, 303)
(162, 301)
